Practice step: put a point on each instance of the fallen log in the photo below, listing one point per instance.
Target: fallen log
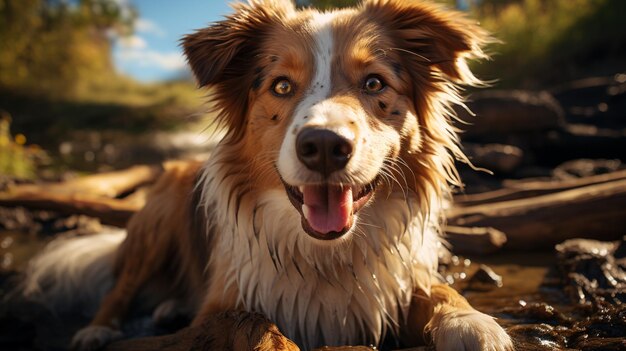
(110, 184)
(92, 195)
(525, 189)
(595, 211)
(474, 240)
(109, 211)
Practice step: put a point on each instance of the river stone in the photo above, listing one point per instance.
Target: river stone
(500, 112)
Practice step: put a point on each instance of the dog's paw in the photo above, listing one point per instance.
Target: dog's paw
(469, 331)
(94, 337)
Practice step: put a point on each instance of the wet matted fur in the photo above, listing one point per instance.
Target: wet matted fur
(321, 207)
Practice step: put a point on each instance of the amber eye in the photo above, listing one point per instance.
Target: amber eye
(282, 87)
(373, 84)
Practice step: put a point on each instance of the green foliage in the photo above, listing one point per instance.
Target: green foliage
(57, 75)
(16, 159)
(547, 42)
(121, 104)
(327, 4)
(56, 48)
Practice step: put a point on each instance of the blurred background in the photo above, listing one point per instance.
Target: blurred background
(99, 84)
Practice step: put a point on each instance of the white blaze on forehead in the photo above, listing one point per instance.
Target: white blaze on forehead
(322, 32)
(321, 28)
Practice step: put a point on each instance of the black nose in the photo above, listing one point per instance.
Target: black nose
(322, 150)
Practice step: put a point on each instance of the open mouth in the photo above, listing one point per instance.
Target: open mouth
(328, 210)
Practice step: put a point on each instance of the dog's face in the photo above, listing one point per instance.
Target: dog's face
(332, 107)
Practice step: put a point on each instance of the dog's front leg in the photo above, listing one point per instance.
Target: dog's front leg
(137, 266)
(104, 328)
(240, 331)
(226, 327)
(452, 323)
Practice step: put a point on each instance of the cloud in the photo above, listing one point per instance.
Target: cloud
(134, 54)
(169, 61)
(132, 42)
(146, 26)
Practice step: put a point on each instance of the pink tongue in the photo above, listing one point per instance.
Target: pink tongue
(327, 208)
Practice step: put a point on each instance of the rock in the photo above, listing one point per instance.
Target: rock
(598, 100)
(484, 279)
(591, 272)
(509, 112)
(495, 157)
(620, 251)
(537, 312)
(576, 247)
(20, 219)
(535, 337)
(602, 344)
(585, 167)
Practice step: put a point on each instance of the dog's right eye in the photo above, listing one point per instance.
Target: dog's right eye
(282, 87)
(373, 84)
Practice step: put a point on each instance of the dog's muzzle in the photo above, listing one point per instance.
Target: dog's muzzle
(327, 209)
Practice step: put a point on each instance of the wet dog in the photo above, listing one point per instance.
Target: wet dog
(321, 207)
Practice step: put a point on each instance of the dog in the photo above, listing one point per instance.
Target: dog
(321, 207)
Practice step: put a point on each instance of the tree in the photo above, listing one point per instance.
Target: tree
(52, 47)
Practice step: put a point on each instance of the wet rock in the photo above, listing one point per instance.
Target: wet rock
(609, 321)
(500, 113)
(586, 167)
(19, 219)
(620, 251)
(76, 225)
(590, 271)
(498, 158)
(576, 247)
(537, 337)
(537, 312)
(484, 279)
(602, 344)
(597, 100)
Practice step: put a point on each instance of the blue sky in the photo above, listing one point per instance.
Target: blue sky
(152, 52)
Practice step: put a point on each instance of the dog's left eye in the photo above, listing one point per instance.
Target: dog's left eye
(282, 87)
(373, 84)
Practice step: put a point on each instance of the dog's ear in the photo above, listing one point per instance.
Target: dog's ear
(432, 36)
(222, 55)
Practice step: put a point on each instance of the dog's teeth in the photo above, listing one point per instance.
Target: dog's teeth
(301, 188)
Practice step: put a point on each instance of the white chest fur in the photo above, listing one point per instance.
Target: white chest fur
(338, 293)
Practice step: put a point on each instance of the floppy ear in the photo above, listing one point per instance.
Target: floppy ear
(433, 44)
(222, 55)
(437, 38)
